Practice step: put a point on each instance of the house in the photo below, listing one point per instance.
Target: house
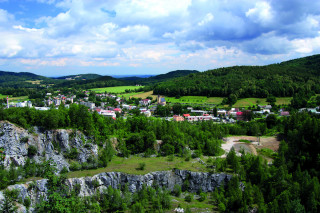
(147, 113)
(186, 115)
(240, 116)
(221, 112)
(199, 112)
(161, 101)
(108, 113)
(284, 113)
(117, 110)
(178, 118)
(145, 102)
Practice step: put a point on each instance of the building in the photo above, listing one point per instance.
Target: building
(161, 101)
(178, 118)
(145, 102)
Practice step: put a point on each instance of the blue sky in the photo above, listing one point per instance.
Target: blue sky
(112, 37)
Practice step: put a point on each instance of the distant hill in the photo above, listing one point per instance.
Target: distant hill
(80, 77)
(161, 77)
(280, 80)
(102, 81)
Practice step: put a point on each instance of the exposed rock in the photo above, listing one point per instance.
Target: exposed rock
(15, 142)
(206, 182)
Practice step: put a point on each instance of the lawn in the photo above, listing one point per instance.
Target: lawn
(131, 164)
(115, 90)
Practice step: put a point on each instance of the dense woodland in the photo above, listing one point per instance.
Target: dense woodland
(280, 80)
(291, 184)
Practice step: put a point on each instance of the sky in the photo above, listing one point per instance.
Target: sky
(135, 37)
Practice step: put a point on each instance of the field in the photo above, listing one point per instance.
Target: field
(34, 82)
(245, 102)
(195, 100)
(14, 99)
(131, 164)
(145, 94)
(115, 90)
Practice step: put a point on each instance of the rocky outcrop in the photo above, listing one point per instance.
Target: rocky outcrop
(49, 143)
(197, 181)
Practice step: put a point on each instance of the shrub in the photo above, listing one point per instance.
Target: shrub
(188, 198)
(64, 170)
(24, 140)
(27, 202)
(176, 190)
(32, 150)
(203, 196)
(75, 166)
(142, 166)
(95, 183)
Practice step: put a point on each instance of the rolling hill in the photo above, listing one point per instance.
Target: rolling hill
(281, 80)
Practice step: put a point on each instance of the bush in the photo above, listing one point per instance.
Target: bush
(27, 202)
(64, 170)
(188, 198)
(95, 183)
(142, 166)
(24, 140)
(176, 190)
(75, 166)
(32, 150)
(203, 196)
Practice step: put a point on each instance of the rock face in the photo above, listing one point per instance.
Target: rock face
(207, 182)
(50, 144)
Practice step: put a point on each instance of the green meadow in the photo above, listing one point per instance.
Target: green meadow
(130, 165)
(115, 90)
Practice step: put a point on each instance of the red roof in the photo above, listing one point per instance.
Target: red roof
(186, 115)
(113, 118)
(98, 109)
(117, 109)
(239, 113)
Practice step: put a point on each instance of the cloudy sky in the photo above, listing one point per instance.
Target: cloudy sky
(121, 37)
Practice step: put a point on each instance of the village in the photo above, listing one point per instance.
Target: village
(113, 106)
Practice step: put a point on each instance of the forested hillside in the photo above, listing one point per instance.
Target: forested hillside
(281, 80)
(165, 77)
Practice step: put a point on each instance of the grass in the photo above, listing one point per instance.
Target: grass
(115, 90)
(194, 205)
(145, 95)
(195, 99)
(14, 99)
(131, 164)
(245, 102)
(267, 152)
(34, 82)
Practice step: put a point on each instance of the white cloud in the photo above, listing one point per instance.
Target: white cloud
(261, 13)
(139, 33)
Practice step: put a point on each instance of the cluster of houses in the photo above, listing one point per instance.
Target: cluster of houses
(148, 109)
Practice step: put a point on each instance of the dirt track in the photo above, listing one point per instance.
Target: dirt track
(265, 142)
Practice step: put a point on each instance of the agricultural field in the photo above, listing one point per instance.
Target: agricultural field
(34, 82)
(115, 90)
(144, 95)
(195, 100)
(246, 102)
(130, 165)
(14, 99)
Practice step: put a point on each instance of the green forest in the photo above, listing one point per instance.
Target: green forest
(290, 184)
(279, 80)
